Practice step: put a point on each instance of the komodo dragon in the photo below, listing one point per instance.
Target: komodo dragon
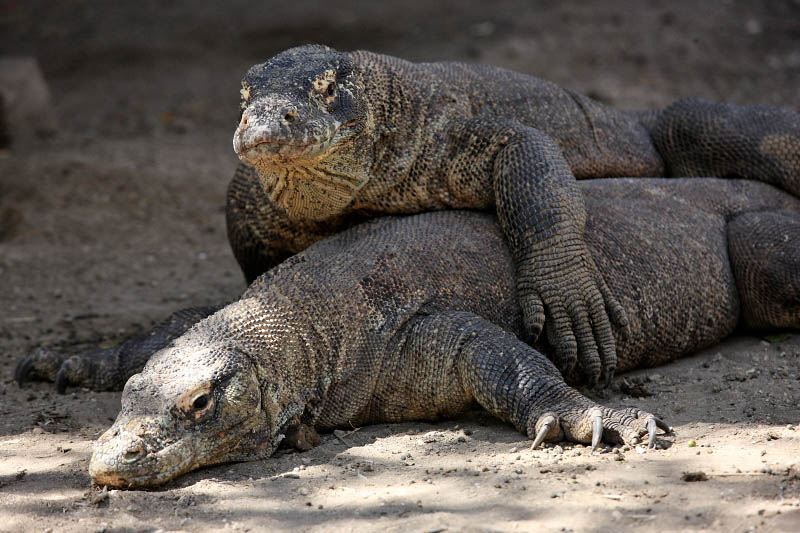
(395, 320)
(328, 135)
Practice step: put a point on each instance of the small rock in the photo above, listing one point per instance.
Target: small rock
(694, 476)
(25, 107)
(99, 497)
(483, 29)
(753, 27)
(429, 437)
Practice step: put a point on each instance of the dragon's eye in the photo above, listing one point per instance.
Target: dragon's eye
(200, 402)
(196, 403)
(331, 88)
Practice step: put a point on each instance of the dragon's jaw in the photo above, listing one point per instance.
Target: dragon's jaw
(196, 403)
(309, 180)
(125, 456)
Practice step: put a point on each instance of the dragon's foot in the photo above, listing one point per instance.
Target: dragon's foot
(93, 369)
(106, 369)
(596, 424)
(42, 364)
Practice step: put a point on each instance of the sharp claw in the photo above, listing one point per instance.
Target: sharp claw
(597, 428)
(23, 369)
(545, 429)
(663, 425)
(61, 381)
(651, 431)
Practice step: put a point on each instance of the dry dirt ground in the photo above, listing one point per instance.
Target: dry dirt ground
(118, 220)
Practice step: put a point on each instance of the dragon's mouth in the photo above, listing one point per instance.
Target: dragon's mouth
(159, 467)
(269, 152)
(258, 150)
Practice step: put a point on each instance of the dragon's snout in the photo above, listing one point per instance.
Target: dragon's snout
(275, 123)
(277, 131)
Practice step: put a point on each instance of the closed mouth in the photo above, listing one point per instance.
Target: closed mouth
(163, 473)
(280, 147)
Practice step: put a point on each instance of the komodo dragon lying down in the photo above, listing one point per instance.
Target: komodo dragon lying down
(324, 134)
(414, 318)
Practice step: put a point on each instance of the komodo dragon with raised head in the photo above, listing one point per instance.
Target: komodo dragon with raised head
(334, 136)
(416, 317)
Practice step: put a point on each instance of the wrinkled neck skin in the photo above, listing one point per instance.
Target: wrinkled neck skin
(225, 391)
(321, 186)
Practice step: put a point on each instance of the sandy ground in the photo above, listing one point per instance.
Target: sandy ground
(118, 220)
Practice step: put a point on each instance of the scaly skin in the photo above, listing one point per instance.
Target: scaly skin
(395, 320)
(333, 137)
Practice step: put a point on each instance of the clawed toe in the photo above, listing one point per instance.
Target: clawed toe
(23, 369)
(616, 425)
(548, 422)
(62, 380)
(597, 428)
(43, 363)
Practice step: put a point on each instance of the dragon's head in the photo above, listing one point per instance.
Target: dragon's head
(307, 129)
(200, 401)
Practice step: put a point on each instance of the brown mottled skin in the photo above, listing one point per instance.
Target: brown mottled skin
(328, 138)
(416, 317)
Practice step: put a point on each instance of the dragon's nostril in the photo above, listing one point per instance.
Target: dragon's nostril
(133, 453)
(244, 120)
